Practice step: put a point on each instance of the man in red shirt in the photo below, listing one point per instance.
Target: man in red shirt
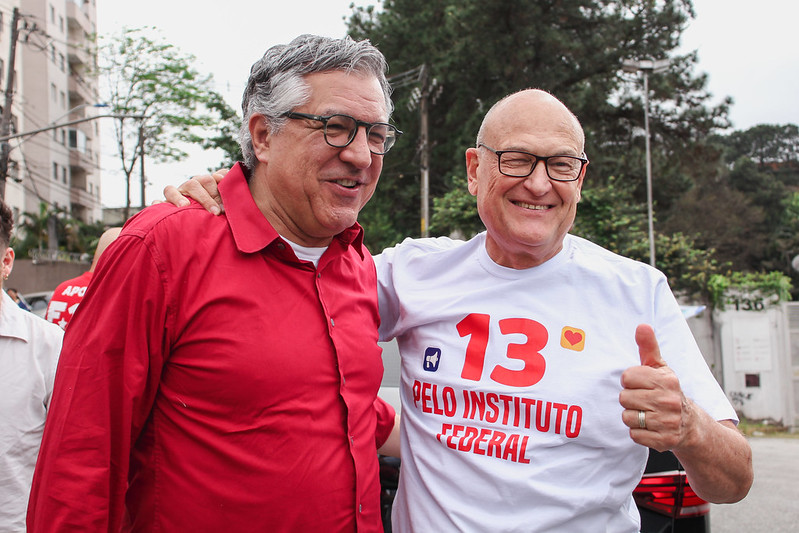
(68, 295)
(222, 374)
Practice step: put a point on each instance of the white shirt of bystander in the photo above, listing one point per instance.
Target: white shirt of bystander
(29, 348)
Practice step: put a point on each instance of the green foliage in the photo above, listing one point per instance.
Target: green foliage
(146, 77)
(35, 230)
(226, 138)
(688, 267)
(740, 200)
(82, 238)
(764, 285)
(477, 52)
(769, 145)
(456, 213)
(608, 215)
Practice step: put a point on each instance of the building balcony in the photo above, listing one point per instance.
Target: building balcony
(81, 160)
(79, 58)
(80, 91)
(82, 203)
(77, 19)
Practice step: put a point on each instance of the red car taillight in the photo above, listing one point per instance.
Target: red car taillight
(669, 493)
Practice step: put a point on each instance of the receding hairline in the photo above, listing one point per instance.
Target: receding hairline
(536, 97)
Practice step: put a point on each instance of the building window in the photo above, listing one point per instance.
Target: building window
(52, 14)
(64, 174)
(752, 380)
(53, 92)
(55, 171)
(77, 141)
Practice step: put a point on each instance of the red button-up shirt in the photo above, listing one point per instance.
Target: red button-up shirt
(211, 381)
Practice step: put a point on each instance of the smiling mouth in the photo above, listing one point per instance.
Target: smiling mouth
(349, 184)
(532, 207)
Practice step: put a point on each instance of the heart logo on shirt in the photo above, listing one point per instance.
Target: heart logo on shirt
(572, 339)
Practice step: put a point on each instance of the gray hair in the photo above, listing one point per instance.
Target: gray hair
(276, 83)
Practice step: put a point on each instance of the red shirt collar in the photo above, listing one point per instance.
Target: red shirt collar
(252, 232)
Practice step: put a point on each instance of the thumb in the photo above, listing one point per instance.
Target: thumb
(648, 347)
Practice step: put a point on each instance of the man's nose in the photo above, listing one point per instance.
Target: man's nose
(357, 152)
(538, 181)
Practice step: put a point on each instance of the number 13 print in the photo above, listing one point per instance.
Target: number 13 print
(477, 325)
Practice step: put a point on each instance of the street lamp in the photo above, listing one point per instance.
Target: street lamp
(5, 138)
(78, 108)
(69, 123)
(53, 124)
(645, 66)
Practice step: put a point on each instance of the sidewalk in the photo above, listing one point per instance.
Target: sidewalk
(771, 506)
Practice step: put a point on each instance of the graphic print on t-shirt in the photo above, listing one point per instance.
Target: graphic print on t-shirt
(572, 339)
(432, 357)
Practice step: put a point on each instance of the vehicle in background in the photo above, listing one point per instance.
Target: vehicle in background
(38, 301)
(665, 500)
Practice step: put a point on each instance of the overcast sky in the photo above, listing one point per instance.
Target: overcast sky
(749, 50)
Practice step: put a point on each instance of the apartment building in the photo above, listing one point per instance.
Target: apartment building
(53, 64)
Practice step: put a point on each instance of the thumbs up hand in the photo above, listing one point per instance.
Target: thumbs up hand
(652, 398)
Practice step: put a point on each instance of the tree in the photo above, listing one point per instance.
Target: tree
(769, 145)
(477, 52)
(35, 230)
(146, 77)
(226, 138)
(54, 229)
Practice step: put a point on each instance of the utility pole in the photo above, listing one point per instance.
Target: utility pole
(421, 96)
(5, 122)
(424, 104)
(647, 66)
(141, 162)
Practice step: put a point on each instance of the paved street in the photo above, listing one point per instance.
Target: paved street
(771, 506)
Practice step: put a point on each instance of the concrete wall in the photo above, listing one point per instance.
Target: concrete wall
(28, 277)
(702, 327)
(759, 374)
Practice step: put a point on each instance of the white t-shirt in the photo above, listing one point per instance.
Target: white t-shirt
(307, 253)
(510, 384)
(29, 348)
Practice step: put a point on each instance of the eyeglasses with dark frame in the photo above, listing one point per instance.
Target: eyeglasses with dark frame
(518, 164)
(340, 130)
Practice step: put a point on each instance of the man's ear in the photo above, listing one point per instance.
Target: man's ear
(260, 133)
(8, 263)
(472, 162)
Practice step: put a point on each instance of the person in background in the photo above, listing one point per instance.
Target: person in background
(29, 349)
(537, 367)
(14, 295)
(222, 372)
(68, 294)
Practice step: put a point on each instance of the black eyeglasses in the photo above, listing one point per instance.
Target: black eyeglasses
(521, 164)
(340, 130)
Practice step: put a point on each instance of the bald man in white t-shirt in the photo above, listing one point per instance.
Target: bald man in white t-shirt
(538, 367)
